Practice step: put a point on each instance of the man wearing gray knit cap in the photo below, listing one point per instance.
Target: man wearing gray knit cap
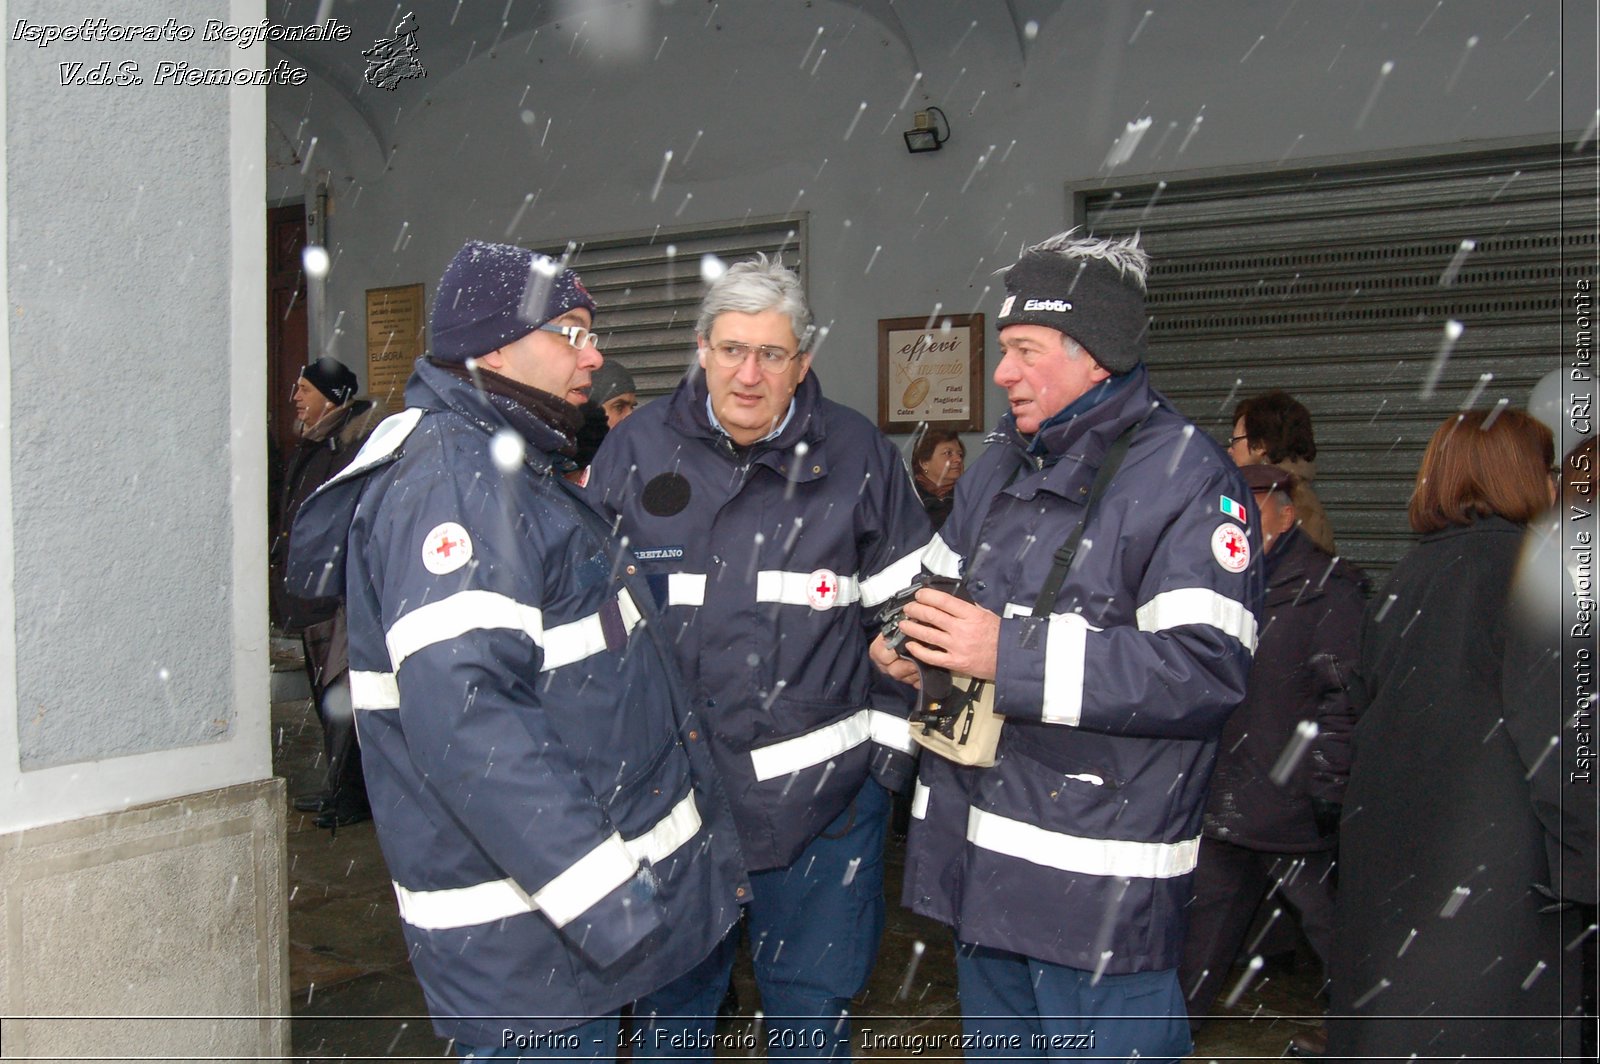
(1065, 866)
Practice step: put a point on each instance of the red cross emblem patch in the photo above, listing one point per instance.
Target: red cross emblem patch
(822, 589)
(1231, 547)
(446, 548)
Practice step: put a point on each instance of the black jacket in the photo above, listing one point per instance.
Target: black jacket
(1310, 634)
(317, 457)
(1444, 880)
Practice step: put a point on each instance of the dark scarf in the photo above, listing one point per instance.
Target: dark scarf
(520, 403)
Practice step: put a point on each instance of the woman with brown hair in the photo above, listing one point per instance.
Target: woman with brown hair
(1449, 932)
(936, 463)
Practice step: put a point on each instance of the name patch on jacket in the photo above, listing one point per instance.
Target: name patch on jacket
(657, 554)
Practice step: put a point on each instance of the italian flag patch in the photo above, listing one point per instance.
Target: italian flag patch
(1234, 509)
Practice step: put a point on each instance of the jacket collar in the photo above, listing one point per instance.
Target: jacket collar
(686, 415)
(1296, 569)
(437, 389)
(1069, 449)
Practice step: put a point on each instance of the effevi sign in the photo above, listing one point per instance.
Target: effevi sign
(927, 371)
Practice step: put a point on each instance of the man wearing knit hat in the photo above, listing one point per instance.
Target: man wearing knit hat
(332, 424)
(1065, 867)
(542, 792)
(615, 392)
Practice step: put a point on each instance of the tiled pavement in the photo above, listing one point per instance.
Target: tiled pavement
(354, 996)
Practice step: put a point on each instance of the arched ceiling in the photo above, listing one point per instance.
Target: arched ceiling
(454, 33)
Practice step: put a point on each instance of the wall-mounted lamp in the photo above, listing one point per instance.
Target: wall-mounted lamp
(926, 135)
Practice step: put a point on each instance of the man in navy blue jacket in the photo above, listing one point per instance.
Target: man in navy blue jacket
(543, 793)
(1065, 867)
(770, 522)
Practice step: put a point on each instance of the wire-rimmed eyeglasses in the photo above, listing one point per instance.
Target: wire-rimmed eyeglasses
(731, 354)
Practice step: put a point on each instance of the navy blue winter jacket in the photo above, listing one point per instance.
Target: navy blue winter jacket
(1078, 846)
(770, 562)
(542, 790)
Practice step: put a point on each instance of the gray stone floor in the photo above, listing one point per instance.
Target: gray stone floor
(354, 997)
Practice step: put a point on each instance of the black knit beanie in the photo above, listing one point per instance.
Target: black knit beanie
(333, 379)
(1089, 299)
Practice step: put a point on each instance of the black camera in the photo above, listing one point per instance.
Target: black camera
(892, 612)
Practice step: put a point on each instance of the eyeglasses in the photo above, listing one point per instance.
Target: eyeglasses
(1235, 439)
(731, 355)
(576, 335)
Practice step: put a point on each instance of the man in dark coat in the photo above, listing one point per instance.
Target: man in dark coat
(1273, 814)
(1065, 867)
(771, 522)
(547, 807)
(332, 423)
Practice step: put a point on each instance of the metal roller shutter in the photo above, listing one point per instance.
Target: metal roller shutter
(648, 287)
(1340, 284)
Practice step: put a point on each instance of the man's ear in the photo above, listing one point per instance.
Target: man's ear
(700, 345)
(805, 366)
(493, 361)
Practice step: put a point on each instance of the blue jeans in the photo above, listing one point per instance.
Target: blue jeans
(594, 1040)
(1052, 1012)
(814, 928)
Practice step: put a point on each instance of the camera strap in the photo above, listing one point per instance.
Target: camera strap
(1068, 550)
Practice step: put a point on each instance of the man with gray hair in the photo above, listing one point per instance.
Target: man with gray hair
(770, 522)
(1108, 549)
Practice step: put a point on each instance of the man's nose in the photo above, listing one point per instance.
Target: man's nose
(592, 359)
(749, 371)
(1005, 374)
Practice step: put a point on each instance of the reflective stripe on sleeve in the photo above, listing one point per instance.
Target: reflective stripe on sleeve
(793, 589)
(374, 690)
(812, 748)
(672, 831)
(463, 612)
(572, 642)
(919, 800)
(877, 588)
(484, 903)
(686, 589)
(1063, 669)
(1199, 605)
(937, 557)
(1074, 853)
(889, 730)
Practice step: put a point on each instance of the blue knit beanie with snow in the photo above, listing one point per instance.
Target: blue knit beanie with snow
(493, 294)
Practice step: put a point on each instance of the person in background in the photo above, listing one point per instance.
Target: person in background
(1065, 868)
(591, 434)
(615, 392)
(332, 424)
(772, 521)
(1272, 817)
(1462, 842)
(936, 464)
(1274, 428)
(548, 810)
